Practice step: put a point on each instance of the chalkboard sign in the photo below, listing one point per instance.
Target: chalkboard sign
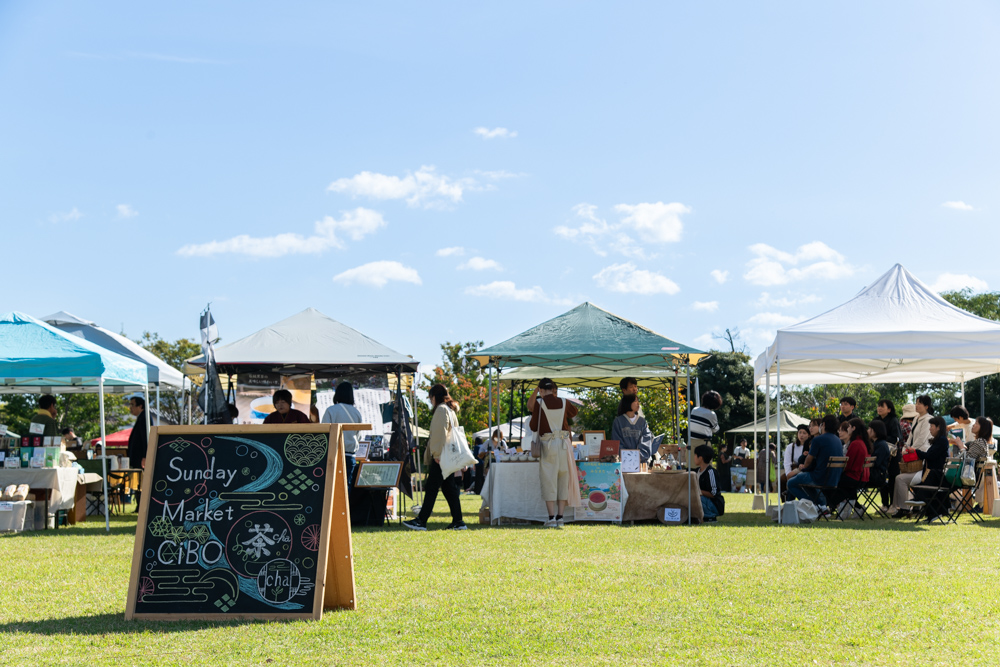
(244, 521)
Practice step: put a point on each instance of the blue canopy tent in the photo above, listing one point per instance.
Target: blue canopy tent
(38, 358)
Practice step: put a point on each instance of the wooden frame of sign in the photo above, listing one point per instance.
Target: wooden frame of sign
(199, 562)
(362, 484)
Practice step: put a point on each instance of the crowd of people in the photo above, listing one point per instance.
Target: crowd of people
(891, 440)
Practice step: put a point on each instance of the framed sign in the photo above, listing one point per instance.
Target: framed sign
(243, 521)
(592, 442)
(378, 474)
(361, 453)
(631, 460)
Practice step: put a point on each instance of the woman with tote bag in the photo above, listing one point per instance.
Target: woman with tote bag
(443, 423)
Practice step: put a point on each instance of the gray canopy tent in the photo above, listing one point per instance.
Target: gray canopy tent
(589, 347)
(38, 358)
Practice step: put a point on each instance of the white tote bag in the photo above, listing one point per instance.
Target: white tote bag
(456, 453)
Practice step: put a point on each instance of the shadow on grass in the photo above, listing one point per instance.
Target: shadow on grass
(102, 624)
(92, 528)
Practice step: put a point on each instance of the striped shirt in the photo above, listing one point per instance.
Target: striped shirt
(703, 423)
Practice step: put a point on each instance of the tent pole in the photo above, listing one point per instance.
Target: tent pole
(489, 413)
(157, 404)
(677, 408)
(687, 379)
(190, 404)
(754, 455)
(104, 461)
(777, 436)
(982, 395)
(145, 413)
(767, 439)
(963, 390)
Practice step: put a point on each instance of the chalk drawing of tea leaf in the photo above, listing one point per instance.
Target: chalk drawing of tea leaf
(276, 592)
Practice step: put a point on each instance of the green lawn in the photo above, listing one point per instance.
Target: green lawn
(740, 592)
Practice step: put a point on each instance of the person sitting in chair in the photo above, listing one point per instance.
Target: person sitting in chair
(815, 470)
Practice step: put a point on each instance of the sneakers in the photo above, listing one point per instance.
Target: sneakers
(413, 524)
(457, 526)
(560, 522)
(551, 523)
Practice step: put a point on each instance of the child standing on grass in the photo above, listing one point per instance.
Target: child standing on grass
(710, 494)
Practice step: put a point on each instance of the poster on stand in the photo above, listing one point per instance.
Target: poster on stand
(368, 402)
(602, 492)
(254, 392)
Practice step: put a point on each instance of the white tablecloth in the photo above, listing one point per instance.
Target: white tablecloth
(513, 491)
(61, 481)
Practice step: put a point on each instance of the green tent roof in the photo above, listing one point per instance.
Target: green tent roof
(589, 337)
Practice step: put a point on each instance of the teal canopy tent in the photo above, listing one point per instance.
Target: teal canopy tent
(589, 347)
(38, 358)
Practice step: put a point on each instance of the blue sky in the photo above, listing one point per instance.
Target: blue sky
(446, 171)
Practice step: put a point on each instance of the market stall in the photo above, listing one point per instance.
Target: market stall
(584, 347)
(895, 330)
(37, 358)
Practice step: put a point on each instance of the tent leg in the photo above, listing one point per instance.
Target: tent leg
(104, 462)
(777, 436)
(687, 379)
(157, 405)
(767, 440)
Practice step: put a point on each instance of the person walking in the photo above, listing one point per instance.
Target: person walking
(442, 423)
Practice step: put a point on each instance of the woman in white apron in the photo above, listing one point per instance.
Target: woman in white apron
(550, 416)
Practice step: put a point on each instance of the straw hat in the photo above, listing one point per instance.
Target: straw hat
(909, 411)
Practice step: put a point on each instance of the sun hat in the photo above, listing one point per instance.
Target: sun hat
(909, 411)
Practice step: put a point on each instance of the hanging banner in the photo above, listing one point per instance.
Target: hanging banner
(253, 396)
(368, 402)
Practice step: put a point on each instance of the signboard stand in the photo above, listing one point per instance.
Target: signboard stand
(246, 521)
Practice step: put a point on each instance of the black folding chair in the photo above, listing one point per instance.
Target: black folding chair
(938, 494)
(868, 496)
(967, 496)
(832, 462)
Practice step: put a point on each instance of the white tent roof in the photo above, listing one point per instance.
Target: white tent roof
(895, 330)
(309, 342)
(789, 423)
(160, 372)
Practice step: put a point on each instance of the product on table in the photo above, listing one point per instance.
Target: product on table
(21, 493)
(8, 493)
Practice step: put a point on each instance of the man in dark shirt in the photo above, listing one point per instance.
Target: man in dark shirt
(707, 482)
(847, 405)
(46, 415)
(138, 439)
(284, 413)
(815, 470)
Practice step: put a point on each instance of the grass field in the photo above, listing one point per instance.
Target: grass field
(740, 592)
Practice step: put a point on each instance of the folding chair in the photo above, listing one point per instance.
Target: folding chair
(868, 495)
(832, 462)
(967, 497)
(940, 493)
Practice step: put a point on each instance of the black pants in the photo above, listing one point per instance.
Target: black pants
(448, 487)
(847, 489)
(480, 476)
(889, 490)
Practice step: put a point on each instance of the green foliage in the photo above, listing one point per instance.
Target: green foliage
(469, 385)
(173, 404)
(600, 407)
(81, 412)
(730, 374)
(985, 305)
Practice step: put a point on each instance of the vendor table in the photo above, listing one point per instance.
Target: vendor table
(59, 484)
(512, 491)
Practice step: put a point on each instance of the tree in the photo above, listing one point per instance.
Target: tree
(81, 412)
(173, 404)
(985, 305)
(600, 407)
(468, 384)
(730, 374)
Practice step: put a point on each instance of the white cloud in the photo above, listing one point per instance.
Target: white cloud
(655, 223)
(954, 282)
(506, 290)
(707, 306)
(495, 133)
(651, 223)
(814, 260)
(768, 301)
(774, 320)
(377, 274)
(75, 214)
(425, 187)
(720, 276)
(958, 206)
(705, 341)
(355, 225)
(448, 252)
(630, 280)
(480, 264)
(126, 211)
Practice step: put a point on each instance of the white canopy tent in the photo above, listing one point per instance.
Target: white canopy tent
(895, 330)
(161, 374)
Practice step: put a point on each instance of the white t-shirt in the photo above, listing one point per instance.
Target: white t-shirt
(343, 413)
